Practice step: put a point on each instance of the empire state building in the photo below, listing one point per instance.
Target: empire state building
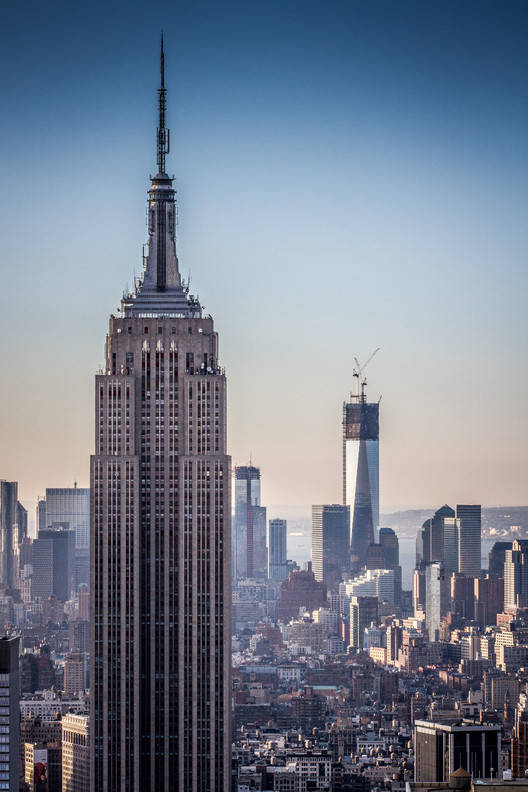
(160, 532)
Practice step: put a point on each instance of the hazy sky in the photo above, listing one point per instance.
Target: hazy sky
(350, 175)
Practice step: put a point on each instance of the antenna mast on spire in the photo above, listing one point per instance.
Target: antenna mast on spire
(163, 132)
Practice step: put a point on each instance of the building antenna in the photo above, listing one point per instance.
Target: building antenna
(163, 144)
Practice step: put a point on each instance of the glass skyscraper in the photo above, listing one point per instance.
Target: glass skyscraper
(249, 529)
(330, 543)
(361, 473)
(70, 505)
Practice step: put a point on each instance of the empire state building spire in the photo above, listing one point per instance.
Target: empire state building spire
(163, 133)
(160, 291)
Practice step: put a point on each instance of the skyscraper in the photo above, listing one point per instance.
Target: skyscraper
(497, 557)
(330, 543)
(249, 530)
(361, 472)
(435, 599)
(10, 704)
(363, 612)
(516, 576)
(277, 550)
(160, 533)
(70, 505)
(469, 539)
(54, 564)
(434, 542)
(8, 517)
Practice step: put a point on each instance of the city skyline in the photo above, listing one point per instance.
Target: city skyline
(398, 202)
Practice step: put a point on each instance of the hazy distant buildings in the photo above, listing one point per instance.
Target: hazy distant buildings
(361, 472)
(516, 576)
(249, 529)
(10, 711)
(330, 543)
(160, 485)
(277, 550)
(451, 540)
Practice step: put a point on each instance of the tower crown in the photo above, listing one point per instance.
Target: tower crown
(159, 291)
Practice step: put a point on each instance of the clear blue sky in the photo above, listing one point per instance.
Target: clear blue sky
(350, 175)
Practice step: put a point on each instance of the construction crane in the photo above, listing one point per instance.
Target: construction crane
(358, 372)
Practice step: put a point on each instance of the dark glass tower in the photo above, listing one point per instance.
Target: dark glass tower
(160, 533)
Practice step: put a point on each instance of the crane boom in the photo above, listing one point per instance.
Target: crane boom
(358, 372)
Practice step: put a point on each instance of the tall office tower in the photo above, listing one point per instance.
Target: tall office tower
(497, 557)
(249, 529)
(363, 613)
(8, 515)
(361, 472)
(489, 599)
(419, 591)
(462, 595)
(10, 708)
(431, 541)
(42, 564)
(278, 560)
(391, 547)
(160, 538)
(70, 505)
(450, 545)
(469, 539)
(40, 515)
(21, 522)
(330, 543)
(435, 599)
(391, 553)
(54, 563)
(516, 576)
(75, 753)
